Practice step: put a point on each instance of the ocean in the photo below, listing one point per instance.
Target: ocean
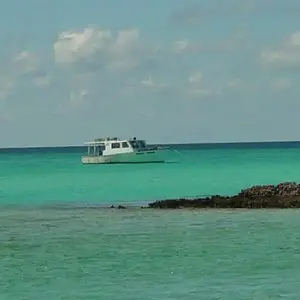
(60, 241)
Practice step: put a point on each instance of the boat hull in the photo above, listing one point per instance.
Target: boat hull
(157, 156)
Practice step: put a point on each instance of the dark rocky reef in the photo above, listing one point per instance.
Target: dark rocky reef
(118, 207)
(283, 195)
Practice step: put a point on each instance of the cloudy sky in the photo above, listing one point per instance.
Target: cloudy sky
(163, 70)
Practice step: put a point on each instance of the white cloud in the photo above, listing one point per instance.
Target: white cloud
(234, 83)
(99, 46)
(6, 87)
(124, 49)
(196, 87)
(294, 40)
(73, 46)
(185, 46)
(41, 81)
(134, 86)
(200, 85)
(281, 58)
(149, 83)
(26, 62)
(238, 85)
(78, 98)
(196, 78)
(200, 92)
(285, 56)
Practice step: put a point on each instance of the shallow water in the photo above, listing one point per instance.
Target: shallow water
(146, 254)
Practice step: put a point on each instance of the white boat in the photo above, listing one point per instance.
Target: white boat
(113, 150)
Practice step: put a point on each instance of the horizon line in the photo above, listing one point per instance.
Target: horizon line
(166, 144)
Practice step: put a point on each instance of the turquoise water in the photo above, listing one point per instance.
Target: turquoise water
(59, 177)
(132, 255)
(69, 252)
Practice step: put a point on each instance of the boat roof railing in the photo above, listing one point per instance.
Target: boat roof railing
(106, 139)
(99, 141)
(93, 143)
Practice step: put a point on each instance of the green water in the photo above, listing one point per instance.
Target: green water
(143, 254)
(52, 251)
(48, 178)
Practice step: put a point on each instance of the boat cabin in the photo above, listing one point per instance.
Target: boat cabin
(111, 146)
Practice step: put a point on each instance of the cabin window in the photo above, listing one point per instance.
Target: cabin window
(101, 148)
(115, 145)
(138, 144)
(134, 144)
(142, 144)
(125, 145)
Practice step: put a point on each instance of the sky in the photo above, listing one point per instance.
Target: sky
(168, 71)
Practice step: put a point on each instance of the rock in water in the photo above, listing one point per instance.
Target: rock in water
(285, 189)
(283, 195)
